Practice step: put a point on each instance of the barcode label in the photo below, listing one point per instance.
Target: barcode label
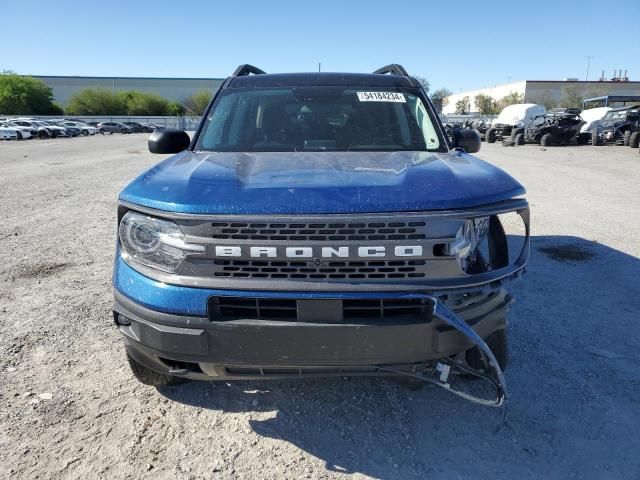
(381, 97)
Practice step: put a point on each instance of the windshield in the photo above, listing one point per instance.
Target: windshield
(318, 119)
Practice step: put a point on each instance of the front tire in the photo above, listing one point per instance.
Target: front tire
(546, 140)
(634, 140)
(627, 138)
(519, 140)
(150, 377)
(490, 136)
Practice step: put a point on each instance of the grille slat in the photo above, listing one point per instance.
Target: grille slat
(319, 231)
(227, 308)
(297, 269)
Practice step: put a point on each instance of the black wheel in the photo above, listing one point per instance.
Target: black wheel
(634, 140)
(519, 140)
(43, 134)
(123, 131)
(546, 140)
(20, 137)
(85, 132)
(490, 136)
(497, 342)
(626, 139)
(149, 377)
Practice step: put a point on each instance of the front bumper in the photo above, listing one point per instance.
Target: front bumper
(198, 348)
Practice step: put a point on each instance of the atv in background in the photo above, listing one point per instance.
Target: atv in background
(620, 126)
(482, 126)
(451, 126)
(513, 116)
(559, 126)
(592, 118)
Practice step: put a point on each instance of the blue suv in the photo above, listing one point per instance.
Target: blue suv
(318, 224)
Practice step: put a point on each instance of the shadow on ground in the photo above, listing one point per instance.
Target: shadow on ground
(574, 381)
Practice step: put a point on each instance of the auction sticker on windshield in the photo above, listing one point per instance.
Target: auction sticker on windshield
(381, 97)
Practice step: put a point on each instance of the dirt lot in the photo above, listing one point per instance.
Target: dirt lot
(69, 407)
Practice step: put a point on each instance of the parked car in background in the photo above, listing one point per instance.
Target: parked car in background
(23, 133)
(95, 125)
(71, 129)
(137, 127)
(54, 130)
(7, 133)
(115, 127)
(150, 126)
(42, 129)
(514, 116)
(12, 123)
(85, 128)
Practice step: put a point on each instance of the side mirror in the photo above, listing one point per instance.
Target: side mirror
(466, 139)
(168, 141)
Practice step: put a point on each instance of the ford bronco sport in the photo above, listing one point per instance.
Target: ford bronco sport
(318, 224)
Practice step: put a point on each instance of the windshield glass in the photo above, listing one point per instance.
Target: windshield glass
(318, 119)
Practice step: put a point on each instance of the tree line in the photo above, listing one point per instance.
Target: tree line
(571, 97)
(24, 95)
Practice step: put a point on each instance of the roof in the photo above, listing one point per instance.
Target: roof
(321, 79)
(626, 107)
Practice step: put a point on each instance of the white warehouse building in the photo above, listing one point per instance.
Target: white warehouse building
(539, 91)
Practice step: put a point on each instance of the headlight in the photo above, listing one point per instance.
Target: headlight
(154, 242)
(469, 237)
(483, 244)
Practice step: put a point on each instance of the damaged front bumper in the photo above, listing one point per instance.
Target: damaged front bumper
(177, 324)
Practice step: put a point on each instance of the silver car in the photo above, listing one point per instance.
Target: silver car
(115, 127)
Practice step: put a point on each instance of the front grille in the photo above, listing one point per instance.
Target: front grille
(227, 308)
(385, 308)
(233, 308)
(282, 269)
(320, 232)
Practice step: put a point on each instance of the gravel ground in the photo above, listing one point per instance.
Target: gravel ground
(69, 407)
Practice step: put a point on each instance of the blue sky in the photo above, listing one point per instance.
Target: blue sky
(457, 44)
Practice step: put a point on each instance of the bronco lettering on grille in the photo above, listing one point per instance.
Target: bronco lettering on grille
(316, 252)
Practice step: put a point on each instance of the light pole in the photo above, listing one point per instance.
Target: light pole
(588, 57)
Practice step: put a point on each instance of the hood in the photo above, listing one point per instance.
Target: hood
(319, 182)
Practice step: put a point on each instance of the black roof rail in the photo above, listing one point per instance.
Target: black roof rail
(393, 69)
(246, 69)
